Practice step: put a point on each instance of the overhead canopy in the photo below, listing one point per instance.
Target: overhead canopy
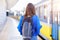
(22, 4)
(10, 3)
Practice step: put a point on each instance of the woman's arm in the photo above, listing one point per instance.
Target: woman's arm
(36, 25)
(20, 25)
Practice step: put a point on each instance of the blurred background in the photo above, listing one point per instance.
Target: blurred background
(47, 10)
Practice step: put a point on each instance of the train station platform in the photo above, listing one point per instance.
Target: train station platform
(9, 30)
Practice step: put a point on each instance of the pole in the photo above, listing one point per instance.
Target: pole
(6, 4)
(51, 17)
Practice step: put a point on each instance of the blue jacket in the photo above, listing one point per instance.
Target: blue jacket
(36, 24)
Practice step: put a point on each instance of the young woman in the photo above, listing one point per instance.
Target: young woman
(30, 12)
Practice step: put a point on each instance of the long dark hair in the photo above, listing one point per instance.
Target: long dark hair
(30, 10)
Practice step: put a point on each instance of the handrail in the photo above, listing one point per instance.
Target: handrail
(42, 37)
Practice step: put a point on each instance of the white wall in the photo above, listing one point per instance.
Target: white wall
(2, 12)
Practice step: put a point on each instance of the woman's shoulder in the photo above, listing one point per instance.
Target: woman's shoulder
(22, 16)
(34, 16)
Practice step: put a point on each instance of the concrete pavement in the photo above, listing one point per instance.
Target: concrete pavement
(10, 31)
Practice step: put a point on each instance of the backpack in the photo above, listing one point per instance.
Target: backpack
(27, 28)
